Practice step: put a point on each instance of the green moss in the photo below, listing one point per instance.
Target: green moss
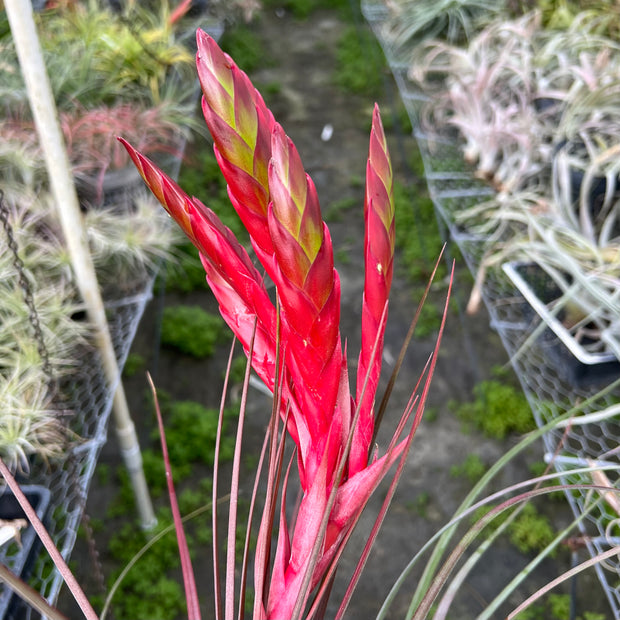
(471, 468)
(556, 607)
(529, 532)
(336, 210)
(147, 591)
(134, 363)
(497, 410)
(360, 64)
(246, 47)
(192, 330)
(237, 369)
(429, 320)
(417, 234)
(420, 504)
(191, 431)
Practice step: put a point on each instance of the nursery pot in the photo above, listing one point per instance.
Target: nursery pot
(572, 360)
(20, 560)
(116, 189)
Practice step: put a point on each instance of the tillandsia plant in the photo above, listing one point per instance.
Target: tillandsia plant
(451, 20)
(294, 344)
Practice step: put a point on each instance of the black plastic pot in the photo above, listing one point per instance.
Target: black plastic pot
(20, 560)
(568, 358)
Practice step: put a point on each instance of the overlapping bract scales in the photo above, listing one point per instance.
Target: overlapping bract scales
(379, 259)
(278, 204)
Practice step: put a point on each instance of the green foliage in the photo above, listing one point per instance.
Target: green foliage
(237, 369)
(336, 210)
(147, 591)
(302, 9)
(529, 532)
(360, 62)
(191, 330)
(190, 434)
(191, 431)
(420, 504)
(431, 414)
(417, 234)
(430, 316)
(498, 409)
(472, 468)
(134, 363)
(244, 45)
(556, 607)
(186, 273)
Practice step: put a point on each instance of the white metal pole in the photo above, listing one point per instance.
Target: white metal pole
(21, 21)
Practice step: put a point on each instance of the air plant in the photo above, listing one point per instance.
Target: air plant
(126, 247)
(487, 95)
(294, 346)
(516, 93)
(90, 136)
(575, 245)
(587, 280)
(93, 54)
(131, 52)
(454, 21)
(29, 423)
(568, 61)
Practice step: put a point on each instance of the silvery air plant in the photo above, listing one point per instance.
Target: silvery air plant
(294, 345)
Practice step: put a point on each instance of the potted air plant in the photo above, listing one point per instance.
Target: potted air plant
(485, 91)
(410, 22)
(518, 94)
(100, 167)
(127, 249)
(573, 285)
(95, 55)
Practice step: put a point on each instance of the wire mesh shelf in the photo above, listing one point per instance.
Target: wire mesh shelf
(554, 382)
(86, 404)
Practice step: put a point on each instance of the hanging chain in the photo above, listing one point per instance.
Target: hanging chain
(24, 284)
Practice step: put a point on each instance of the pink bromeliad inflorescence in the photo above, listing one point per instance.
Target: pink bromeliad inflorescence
(278, 205)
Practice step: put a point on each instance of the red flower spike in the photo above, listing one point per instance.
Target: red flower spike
(307, 282)
(241, 125)
(278, 204)
(379, 259)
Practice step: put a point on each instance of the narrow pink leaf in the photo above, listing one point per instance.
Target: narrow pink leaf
(191, 593)
(384, 508)
(229, 605)
(48, 543)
